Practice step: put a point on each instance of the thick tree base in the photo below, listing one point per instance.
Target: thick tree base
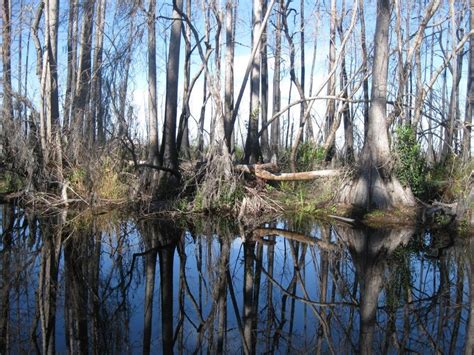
(370, 190)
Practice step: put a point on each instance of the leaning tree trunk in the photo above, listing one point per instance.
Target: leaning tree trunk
(376, 186)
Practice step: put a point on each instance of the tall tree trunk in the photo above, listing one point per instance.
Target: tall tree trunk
(96, 111)
(80, 127)
(376, 186)
(470, 90)
(205, 95)
(331, 91)
(275, 126)
(229, 70)
(296, 82)
(6, 61)
(252, 149)
(347, 119)
(264, 91)
(169, 152)
(153, 144)
(71, 60)
(365, 67)
(183, 132)
(449, 132)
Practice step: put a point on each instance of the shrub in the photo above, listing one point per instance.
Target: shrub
(411, 168)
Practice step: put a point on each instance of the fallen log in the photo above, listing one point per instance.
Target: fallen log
(253, 168)
(305, 175)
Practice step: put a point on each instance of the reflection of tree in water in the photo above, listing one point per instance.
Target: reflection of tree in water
(322, 289)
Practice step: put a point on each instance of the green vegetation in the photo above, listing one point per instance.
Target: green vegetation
(411, 168)
(445, 180)
(10, 182)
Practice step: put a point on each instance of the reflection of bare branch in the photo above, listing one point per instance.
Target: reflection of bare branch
(262, 232)
(236, 311)
(305, 299)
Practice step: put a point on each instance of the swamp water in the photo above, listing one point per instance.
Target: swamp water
(111, 285)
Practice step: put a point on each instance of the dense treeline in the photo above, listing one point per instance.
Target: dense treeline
(336, 83)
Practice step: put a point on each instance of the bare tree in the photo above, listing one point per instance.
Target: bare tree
(81, 126)
(6, 61)
(169, 152)
(96, 118)
(252, 148)
(153, 143)
(470, 90)
(183, 132)
(376, 186)
(275, 126)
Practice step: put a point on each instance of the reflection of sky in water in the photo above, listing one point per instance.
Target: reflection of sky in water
(426, 315)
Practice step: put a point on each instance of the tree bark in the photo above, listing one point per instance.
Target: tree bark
(97, 112)
(275, 126)
(470, 90)
(169, 153)
(331, 91)
(252, 149)
(229, 71)
(80, 127)
(183, 132)
(376, 186)
(365, 67)
(153, 141)
(264, 91)
(71, 61)
(6, 61)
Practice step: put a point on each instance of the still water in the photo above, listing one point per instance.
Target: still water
(106, 284)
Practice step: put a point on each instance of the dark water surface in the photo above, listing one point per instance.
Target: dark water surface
(110, 285)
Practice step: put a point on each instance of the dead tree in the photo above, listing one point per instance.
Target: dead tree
(153, 142)
(470, 90)
(252, 148)
(169, 152)
(376, 185)
(275, 126)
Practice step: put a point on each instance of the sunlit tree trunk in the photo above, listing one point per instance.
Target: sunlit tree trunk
(229, 70)
(252, 148)
(183, 131)
(365, 68)
(169, 153)
(265, 146)
(331, 90)
(96, 111)
(153, 144)
(6, 61)
(81, 127)
(450, 129)
(205, 95)
(275, 126)
(376, 186)
(71, 60)
(470, 90)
